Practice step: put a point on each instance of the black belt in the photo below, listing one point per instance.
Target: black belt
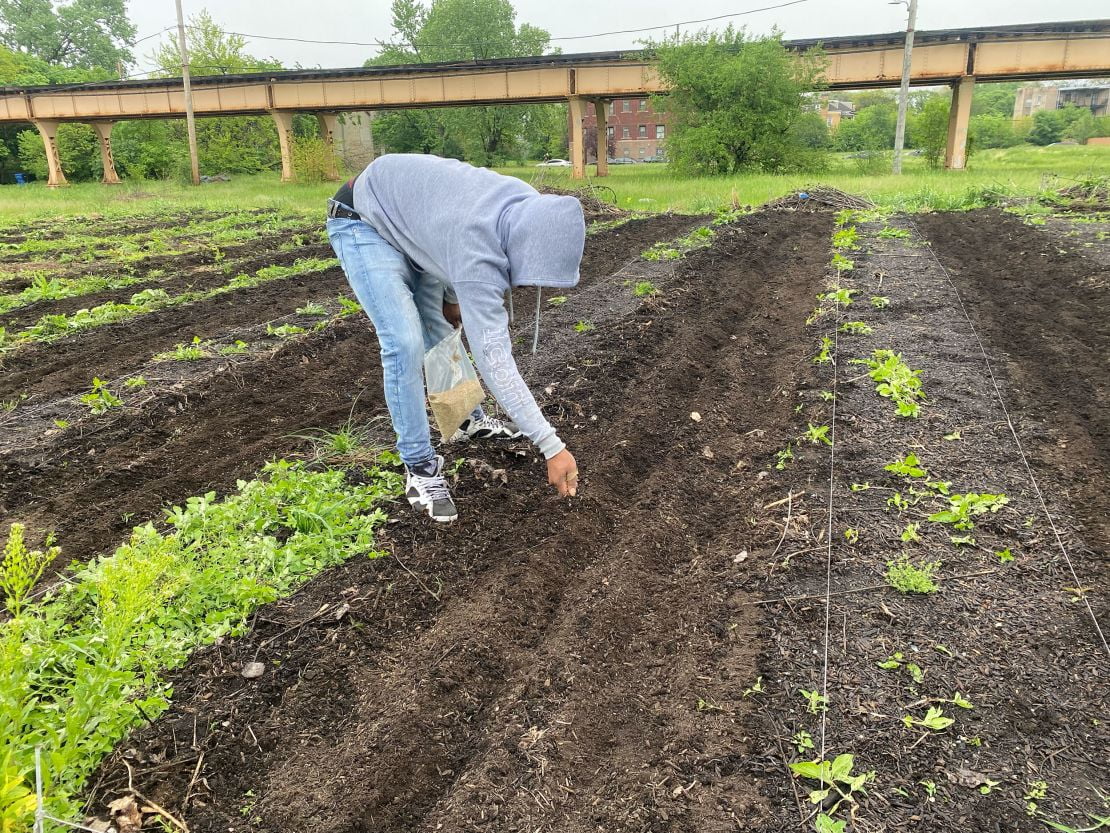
(338, 210)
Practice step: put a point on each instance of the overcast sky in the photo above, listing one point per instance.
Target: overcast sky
(369, 20)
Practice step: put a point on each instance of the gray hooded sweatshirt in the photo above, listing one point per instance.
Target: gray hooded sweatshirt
(480, 233)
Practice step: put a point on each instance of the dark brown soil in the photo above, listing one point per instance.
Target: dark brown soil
(540, 664)
(607, 251)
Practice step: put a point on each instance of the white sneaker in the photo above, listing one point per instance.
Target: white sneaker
(426, 489)
(486, 428)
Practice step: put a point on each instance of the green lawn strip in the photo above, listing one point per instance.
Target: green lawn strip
(52, 327)
(84, 665)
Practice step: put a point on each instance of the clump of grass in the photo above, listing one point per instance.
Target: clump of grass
(645, 289)
(905, 577)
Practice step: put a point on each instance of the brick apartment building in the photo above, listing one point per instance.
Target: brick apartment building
(635, 130)
(1095, 97)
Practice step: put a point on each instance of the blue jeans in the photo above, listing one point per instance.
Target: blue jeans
(406, 308)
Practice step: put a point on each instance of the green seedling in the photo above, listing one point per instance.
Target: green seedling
(841, 264)
(185, 352)
(838, 295)
(816, 314)
(661, 251)
(896, 501)
(817, 434)
(889, 232)
(962, 508)
(941, 487)
(583, 327)
(835, 779)
(803, 741)
(860, 487)
(757, 688)
(9, 405)
(844, 216)
(135, 382)
(235, 349)
(851, 535)
(880, 301)
(856, 328)
(824, 356)
(1035, 792)
(100, 399)
(557, 301)
(908, 466)
(897, 661)
(348, 306)
(933, 720)
(783, 458)
(828, 395)
(955, 435)
(1005, 555)
(906, 577)
(930, 788)
(61, 423)
(20, 568)
(910, 533)
(962, 540)
(645, 289)
(895, 380)
(312, 308)
(284, 330)
(985, 789)
(815, 701)
(961, 701)
(845, 238)
(707, 706)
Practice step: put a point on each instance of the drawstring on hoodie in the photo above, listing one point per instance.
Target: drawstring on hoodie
(536, 335)
(512, 316)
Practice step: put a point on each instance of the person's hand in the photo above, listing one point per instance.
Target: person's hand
(562, 473)
(453, 314)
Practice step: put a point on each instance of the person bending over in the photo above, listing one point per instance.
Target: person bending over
(428, 244)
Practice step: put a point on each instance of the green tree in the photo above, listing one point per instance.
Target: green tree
(78, 148)
(870, 129)
(1075, 123)
(995, 99)
(734, 102)
(80, 33)
(211, 51)
(463, 30)
(929, 128)
(991, 130)
(812, 131)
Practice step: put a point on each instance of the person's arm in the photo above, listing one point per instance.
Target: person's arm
(486, 324)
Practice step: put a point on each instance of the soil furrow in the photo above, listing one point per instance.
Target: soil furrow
(556, 674)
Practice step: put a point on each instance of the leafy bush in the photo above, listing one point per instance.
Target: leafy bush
(314, 160)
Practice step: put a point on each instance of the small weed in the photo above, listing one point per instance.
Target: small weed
(661, 251)
(895, 380)
(905, 577)
(891, 233)
(851, 535)
(818, 434)
(955, 435)
(845, 238)
(757, 688)
(803, 741)
(184, 352)
(838, 295)
(783, 458)
(835, 777)
(860, 487)
(962, 540)
(841, 264)
(135, 382)
(583, 327)
(962, 508)
(1005, 555)
(20, 568)
(908, 466)
(557, 301)
(348, 307)
(896, 501)
(880, 301)
(828, 395)
(645, 289)
(707, 706)
(897, 661)
(63, 424)
(824, 356)
(284, 330)
(235, 349)
(100, 399)
(910, 533)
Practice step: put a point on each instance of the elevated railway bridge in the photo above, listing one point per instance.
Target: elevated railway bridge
(956, 57)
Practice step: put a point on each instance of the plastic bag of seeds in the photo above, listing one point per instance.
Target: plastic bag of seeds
(453, 387)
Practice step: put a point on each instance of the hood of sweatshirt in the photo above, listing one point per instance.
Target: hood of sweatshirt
(543, 236)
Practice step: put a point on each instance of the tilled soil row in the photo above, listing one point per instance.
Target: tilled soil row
(94, 485)
(57, 229)
(188, 272)
(607, 251)
(66, 365)
(541, 665)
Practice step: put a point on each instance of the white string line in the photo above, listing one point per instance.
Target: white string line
(1017, 442)
(829, 531)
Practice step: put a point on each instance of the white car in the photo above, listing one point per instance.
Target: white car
(553, 163)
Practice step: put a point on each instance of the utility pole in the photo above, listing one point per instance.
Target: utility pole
(904, 94)
(190, 121)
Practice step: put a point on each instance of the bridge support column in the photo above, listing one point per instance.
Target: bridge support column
(104, 133)
(601, 112)
(577, 109)
(959, 117)
(48, 129)
(283, 120)
(329, 126)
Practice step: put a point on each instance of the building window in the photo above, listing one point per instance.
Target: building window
(660, 131)
(626, 106)
(643, 131)
(610, 108)
(643, 103)
(625, 133)
(641, 150)
(609, 131)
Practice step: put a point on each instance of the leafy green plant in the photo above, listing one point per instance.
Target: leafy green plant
(237, 348)
(783, 458)
(756, 688)
(312, 308)
(895, 380)
(21, 567)
(851, 535)
(933, 720)
(803, 741)
(910, 533)
(818, 434)
(1004, 555)
(185, 352)
(889, 232)
(856, 328)
(583, 327)
(661, 251)
(836, 779)
(898, 661)
(100, 399)
(838, 295)
(841, 264)
(348, 306)
(284, 330)
(557, 300)
(135, 382)
(815, 701)
(824, 355)
(905, 577)
(61, 423)
(908, 466)
(845, 238)
(962, 508)
(880, 301)
(645, 289)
